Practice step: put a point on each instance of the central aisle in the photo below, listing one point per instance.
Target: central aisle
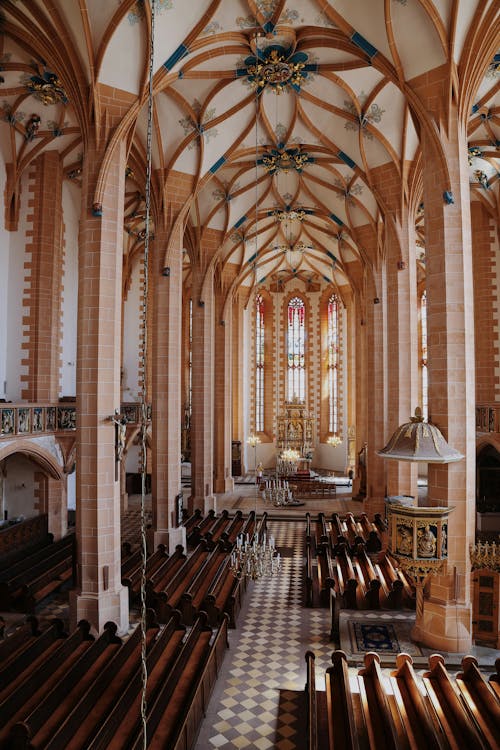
(256, 698)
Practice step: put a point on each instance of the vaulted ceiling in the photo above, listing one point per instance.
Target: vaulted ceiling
(285, 113)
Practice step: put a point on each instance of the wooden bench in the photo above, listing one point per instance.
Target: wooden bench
(33, 675)
(162, 576)
(199, 530)
(342, 730)
(311, 703)
(167, 599)
(39, 725)
(21, 535)
(379, 720)
(368, 581)
(225, 596)
(50, 580)
(133, 579)
(312, 489)
(194, 594)
(481, 700)
(52, 561)
(230, 534)
(450, 710)
(413, 706)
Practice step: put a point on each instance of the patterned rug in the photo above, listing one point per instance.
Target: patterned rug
(384, 637)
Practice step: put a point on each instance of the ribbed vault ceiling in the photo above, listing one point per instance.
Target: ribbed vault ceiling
(284, 113)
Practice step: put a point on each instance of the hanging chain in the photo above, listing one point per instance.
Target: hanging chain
(144, 409)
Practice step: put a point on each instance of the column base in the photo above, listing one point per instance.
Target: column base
(229, 484)
(444, 627)
(203, 503)
(169, 537)
(98, 609)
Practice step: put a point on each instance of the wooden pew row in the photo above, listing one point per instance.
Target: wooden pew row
(311, 703)
(34, 678)
(309, 597)
(13, 642)
(176, 714)
(196, 532)
(415, 715)
(369, 583)
(20, 536)
(80, 667)
(89, 712)
(311, 489)
(17, 561)
(193, 595)
(133, 580)
(382, 720)
(55, 562)
(342, 731)
(162, 576)
(165, 600)
(225, 596)
(436, 714)
(453, 718)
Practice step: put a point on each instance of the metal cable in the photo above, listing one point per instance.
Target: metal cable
(144, 410)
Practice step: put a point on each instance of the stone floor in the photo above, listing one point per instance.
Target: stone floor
(258, 699)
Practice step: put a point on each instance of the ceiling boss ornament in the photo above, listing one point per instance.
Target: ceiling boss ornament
(276, 68)
(45, 86)
(284, 159)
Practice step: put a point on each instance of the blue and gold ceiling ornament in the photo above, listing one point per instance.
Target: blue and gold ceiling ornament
(277, 69)
(45, 86)
(283, 159)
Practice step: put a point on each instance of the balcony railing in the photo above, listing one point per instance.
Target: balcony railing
(488, 417)
(32, 420)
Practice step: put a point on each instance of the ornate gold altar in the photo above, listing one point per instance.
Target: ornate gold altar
(295, 429)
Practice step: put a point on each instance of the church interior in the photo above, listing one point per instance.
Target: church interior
(250, 421)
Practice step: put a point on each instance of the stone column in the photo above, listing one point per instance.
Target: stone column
(446, 621)
(99, 595)
(402, 340)
(376, 305)
(202, 420)
(167, 393)
(223, 384)
(44, 320)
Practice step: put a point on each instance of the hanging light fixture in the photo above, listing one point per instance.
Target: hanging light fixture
(255, 556)
(417, 440)
(334, 440)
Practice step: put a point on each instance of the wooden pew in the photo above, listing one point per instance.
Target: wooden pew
(225, 595)
(22, 535)
(326, 574)
(133, 580)
(393, 583)
(36, 590)
(30, 681)
(311, 703)
(342, 730)
(494, 680)
(379, 719)
(123, 713)
(193, 520)
(164, 601)
(368, 581)
(89, 713)
(450, 710)
(44, 719)
(194, 593)
(11, 644)
(412, 706)
(214, 533)
(176, 712)
(162, 576)
(338, 533)
(17, 561)
(25, 657)
(482, 702)
(354, 533)
(11, 588)
(346, 578)
(229, 535)
(309, 574)
(199, 530)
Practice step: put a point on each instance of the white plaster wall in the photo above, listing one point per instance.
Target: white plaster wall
(71, 197)
(4, 285)
(71, 491)
(19, 487)
(132, 338)
(16, 332)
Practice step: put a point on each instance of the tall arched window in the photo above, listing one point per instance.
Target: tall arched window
(333, 364)
(423, 355)
(259, 364)
(296, 374)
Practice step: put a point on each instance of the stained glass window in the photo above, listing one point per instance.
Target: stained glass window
(333, 364)
(423, 356)
(259, 364)
(296, 372)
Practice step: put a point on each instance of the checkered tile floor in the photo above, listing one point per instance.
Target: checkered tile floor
(258, 697)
